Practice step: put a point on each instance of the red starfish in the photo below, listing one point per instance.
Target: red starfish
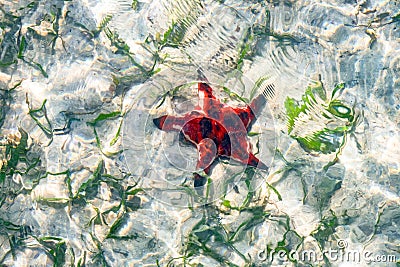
(217, 130)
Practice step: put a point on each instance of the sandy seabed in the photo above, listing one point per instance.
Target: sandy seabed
(87, 180)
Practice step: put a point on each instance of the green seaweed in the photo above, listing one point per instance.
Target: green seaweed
(92, 183)
(134, 4)
(326, 228)
(257, 86)
(105, 116)
(103, 24)
(289, 167)
(173, 92)
(10, 25)
(209, 234)
(245, 51)
(201, 235)
(21, 48)
(258, 217)
(55, 248)
(55, 14)
(40, 117)
(14, 154)
(19, 239)
(15, 242)
(117, 134)
(100, 118)
(17, 159)
(22, 43)
(14, 43)
(325, 140)
(234, 95)
(82, 260)
(112, 233)
(175, 35)
(121, 47)
(294, 109)
(324, 190)
(291, 240)
(98, 258)
(54, 18)
(5, 99)
(122, 210)
(381, 209)
(396, 17)
(249, 174)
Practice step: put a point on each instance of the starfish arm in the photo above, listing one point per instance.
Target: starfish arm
(255, 162)
(170, 123)
(257, 105)
(207, 101)
(205, 91)
(246, 116)
(207, 154)
(249, 114)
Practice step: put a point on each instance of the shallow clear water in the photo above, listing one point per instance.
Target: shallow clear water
(88, 180)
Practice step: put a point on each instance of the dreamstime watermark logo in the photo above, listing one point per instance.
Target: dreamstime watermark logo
(341, 254)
